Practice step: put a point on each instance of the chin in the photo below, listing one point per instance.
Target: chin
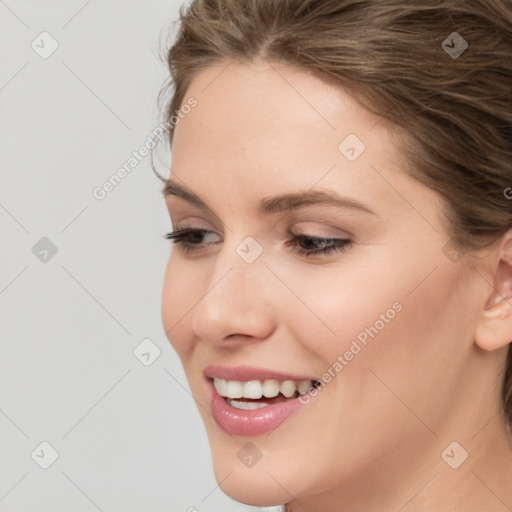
(272, 480)
(252, 486)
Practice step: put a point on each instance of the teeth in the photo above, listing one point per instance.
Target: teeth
(234, 389)
(304, 386)
(288, 388)
(246, 405)
(270, 388)
(256, 389)
(220, 386)
(252, 389)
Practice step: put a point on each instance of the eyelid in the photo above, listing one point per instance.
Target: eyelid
(312, 233)
(183, 218)
(328, 232)
(192, 227)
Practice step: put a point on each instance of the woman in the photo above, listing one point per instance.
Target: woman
(340, 293)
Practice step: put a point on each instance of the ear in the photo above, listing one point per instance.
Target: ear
(494, 327)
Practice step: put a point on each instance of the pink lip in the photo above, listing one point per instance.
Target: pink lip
(240, 422)
(250, 422)
(246, 373)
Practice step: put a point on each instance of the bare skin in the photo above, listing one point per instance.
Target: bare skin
(378, 436)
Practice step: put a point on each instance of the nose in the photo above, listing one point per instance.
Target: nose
(236, 305)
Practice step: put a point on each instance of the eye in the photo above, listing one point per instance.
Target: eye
(306, 245)
(191, 239)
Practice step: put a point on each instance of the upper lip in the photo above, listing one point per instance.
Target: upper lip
(247, 373)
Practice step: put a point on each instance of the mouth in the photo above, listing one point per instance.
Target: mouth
(256, 394)
(249, 402)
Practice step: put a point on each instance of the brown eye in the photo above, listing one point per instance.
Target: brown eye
(189, 239)
(309, 245)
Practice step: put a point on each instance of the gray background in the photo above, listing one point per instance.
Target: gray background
(128, 436)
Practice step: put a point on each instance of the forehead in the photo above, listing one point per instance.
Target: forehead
(260, 130)
(256, 102)
(250, 116)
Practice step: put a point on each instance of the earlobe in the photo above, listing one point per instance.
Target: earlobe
(494, 328)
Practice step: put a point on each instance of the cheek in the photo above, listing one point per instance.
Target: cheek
(178, 297)
(340, 306)
(402, 334)
(397, 314)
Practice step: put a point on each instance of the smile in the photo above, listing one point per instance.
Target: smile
(256, 389)
(253, 406)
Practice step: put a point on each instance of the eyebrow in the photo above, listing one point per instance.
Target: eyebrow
(276, 204)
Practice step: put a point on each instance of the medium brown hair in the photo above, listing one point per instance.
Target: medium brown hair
(393, 56)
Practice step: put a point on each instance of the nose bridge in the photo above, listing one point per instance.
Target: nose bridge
(235, 300)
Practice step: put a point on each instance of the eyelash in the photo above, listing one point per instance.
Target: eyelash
(179, 237)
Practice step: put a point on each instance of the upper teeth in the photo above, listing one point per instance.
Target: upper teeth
(256, 389)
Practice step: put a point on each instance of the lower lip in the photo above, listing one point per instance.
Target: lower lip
(242, 422)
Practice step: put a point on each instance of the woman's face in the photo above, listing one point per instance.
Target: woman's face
(384, 321)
